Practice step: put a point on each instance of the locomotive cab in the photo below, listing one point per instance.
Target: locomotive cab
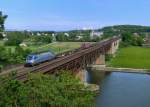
(30, 60)
(34, 59)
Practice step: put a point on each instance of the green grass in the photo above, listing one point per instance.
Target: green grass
(132, 57)
(1, 42)
(57, 47)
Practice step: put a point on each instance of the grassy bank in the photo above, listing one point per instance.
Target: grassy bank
(132, 57)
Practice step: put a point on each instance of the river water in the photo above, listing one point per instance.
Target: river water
(121, 89)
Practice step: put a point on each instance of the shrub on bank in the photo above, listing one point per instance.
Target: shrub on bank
(61, 90)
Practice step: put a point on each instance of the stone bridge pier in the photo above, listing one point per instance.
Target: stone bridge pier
(82, 75)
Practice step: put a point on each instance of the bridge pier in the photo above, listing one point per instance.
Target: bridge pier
(114, 47)
(100, 60)
(82, 75)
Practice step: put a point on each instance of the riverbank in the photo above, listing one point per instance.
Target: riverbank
(125, 70)
(131, 57)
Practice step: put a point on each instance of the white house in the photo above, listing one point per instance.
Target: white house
(3, 34)
(38, 34)
(96, 34)
(23, 45)
(66, 34)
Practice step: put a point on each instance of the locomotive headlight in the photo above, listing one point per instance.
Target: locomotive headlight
(32, 61)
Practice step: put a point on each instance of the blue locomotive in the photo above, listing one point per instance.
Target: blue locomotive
(34, 59)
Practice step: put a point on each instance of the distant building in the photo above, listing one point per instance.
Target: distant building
(95, 34)
(66, 34)
(23, 45)
(3, 34)
(79, 37)
(54, 37)
(146, 41)
(5, 39)
(38, 34)
(136, 34)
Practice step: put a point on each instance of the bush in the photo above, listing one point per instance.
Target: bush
(18, 56)
(108, 57)
(14, 38)
(63, 90)
(129, 39)
(123, 44)
(1, 67)
(43, 39)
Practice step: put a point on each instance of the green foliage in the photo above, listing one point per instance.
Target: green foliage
(2, 21)
(16, 56)
(129, 39)
(97, 39)
(123, 44)
(43, 39)
(63, 90)
(73, 36)
(61, 37)
(14, 38)
(1, 36)
(139, 41)
(118, 29)
(108, 57)
(1, 67)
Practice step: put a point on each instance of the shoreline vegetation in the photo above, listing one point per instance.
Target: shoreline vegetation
(131, 57)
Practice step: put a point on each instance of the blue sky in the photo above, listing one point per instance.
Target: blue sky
(73, 14)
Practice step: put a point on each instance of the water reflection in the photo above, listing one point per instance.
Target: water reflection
(95, 77)
(121, 89)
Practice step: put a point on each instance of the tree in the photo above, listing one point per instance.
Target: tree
(96, 39)
(61, 90)
(15, 38)
(61, 37)
(130, 39)
(126, 37)
(139, 41)
(2, 21)
(8, 56)
(43, 38)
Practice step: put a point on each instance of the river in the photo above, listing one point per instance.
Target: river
(121, 89)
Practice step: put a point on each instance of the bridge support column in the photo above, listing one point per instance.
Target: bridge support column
(114, 47)
(82, 75)
(100, 60)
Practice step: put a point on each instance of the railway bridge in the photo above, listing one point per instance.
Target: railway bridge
(76, 60)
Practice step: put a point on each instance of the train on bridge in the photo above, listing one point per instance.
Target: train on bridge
(37, 58)
(75, 60)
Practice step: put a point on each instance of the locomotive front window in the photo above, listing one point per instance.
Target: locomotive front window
(35, 57)
(29, 57)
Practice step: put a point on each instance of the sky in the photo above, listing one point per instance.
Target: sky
(73, 14)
